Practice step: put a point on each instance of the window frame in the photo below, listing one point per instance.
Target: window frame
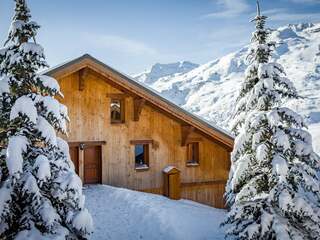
(146, 156)
(148, 144)
(191, 152)
(122, 111)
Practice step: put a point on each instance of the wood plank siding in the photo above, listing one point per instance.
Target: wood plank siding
(88, 97)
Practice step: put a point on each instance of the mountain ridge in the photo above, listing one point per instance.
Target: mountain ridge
(159, 70)
(210, 90)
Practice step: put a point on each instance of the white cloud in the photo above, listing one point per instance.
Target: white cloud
(120, 44)
(226, 37)
(282, 14)
(231, 8)
(305, 1)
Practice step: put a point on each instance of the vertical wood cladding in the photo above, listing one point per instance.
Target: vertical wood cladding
(89, 111)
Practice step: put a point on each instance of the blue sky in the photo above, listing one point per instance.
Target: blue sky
(133, 35)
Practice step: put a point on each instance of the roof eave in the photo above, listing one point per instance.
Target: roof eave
(228, 137)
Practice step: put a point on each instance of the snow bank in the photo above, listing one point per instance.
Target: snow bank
(125, 214)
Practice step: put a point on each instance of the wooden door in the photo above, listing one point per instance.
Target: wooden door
(74, 155)
(92, 164)
(174, 186)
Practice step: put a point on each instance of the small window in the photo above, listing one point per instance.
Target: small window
(117, 111)
(193, 153)
(141, 152)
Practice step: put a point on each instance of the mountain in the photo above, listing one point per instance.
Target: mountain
(165, 70)
(211, 89)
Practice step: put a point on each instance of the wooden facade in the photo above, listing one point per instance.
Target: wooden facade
(104, 150)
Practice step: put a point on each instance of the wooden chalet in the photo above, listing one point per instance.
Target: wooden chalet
(126, 135)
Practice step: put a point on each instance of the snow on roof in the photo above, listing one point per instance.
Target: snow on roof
(169, 168)
(143, 86)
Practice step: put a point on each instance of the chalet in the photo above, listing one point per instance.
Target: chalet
(126, 135)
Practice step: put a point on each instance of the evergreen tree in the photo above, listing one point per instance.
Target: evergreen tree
(273, 187)
(40, 194)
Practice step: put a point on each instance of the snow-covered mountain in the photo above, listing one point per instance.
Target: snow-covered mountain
(165, 70)
(210, 90)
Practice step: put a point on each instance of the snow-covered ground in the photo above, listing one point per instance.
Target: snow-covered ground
(125, 214)
(210, 90)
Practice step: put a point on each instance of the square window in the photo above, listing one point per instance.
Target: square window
(141, 152)
(193, 153)
(117, 111)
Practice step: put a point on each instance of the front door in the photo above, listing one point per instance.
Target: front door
(92, 164)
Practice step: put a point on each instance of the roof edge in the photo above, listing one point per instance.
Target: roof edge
(86, 56)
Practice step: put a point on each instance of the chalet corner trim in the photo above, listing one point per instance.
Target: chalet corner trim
(137, 89)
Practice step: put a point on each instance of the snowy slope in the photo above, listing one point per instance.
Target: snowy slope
(125, 214)
(211, 89)
(165, 70)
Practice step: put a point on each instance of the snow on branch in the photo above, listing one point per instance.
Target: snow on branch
(46, 131)
(4, 85)
(42, 168)
(16, 147)
(25, 106)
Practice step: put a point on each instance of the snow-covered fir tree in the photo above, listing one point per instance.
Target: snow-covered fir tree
(273, 187)
(40, 193)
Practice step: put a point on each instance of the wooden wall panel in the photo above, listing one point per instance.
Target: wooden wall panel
(90, 121)
(211, 194)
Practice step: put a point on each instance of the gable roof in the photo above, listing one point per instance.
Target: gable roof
(126, 82)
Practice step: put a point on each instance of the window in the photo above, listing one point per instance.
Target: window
(141, 152)
(117, 111)
(193, 153)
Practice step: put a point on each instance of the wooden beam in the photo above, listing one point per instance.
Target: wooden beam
(154, 144)
(186, 130)
(136, 142)
(83, 74)
(86, 143)
(194, 140)
(138, 104)
(117, 95)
